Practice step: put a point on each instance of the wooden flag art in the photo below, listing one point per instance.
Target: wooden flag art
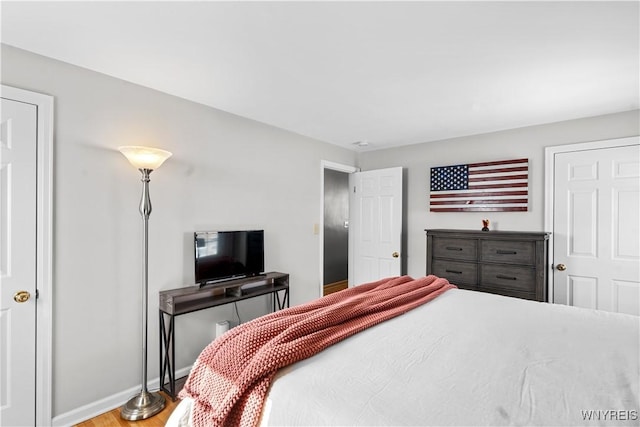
(481, 187)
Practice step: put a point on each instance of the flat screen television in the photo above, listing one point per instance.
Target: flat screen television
(222, 255)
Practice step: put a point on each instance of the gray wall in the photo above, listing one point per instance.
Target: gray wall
(336, 236)
(526, 142)
(227, 172)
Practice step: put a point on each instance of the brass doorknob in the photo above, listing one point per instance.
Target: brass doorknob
(395, 254)
(561, 267)
(21, 296)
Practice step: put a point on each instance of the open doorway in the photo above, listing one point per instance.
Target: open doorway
(334, 227)
(335, 231)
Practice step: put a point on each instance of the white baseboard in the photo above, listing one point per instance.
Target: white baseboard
(101, 406)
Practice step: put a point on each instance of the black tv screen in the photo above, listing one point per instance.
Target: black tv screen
(223, 255)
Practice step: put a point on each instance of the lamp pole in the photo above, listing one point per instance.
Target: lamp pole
(144, 404)
(145, 212)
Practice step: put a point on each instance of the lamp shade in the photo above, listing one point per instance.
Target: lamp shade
(144, 157)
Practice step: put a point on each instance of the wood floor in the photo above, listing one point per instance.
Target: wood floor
(112, 418)
(335, 287)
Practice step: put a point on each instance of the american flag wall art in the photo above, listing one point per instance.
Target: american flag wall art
(481, 187)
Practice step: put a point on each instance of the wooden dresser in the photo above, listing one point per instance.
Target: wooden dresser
(508, 263)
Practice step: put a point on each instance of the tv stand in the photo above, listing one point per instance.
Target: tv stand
(231, 280)
(175, 302)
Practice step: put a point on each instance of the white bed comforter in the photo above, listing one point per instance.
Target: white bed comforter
(468, 358)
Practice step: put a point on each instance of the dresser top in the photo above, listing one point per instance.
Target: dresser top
(490, 234)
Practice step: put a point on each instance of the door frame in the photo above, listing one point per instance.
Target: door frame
(44, 241)
(325, 164)
(549, 185)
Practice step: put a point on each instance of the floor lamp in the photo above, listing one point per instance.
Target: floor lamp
(146, 160)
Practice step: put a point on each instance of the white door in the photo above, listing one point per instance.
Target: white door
(596, 230)
(18, 141)
(375, 225)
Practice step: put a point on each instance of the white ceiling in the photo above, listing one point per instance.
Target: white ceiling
(390, 73)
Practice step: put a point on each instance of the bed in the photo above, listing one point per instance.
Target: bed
(465, 358)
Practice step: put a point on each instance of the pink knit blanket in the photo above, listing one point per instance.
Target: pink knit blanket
(230, 379)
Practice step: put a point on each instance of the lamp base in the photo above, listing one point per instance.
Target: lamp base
(141, 406)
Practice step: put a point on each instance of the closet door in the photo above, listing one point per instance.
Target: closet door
(18, 180)
(596, 245)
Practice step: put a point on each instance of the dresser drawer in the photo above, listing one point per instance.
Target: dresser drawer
(456, 272)
(506, 277)
(508, 252)
(455, 248)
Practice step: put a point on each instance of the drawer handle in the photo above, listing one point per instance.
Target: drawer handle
(502, 276)
(453, 271)
(502, 252)
(453, 248)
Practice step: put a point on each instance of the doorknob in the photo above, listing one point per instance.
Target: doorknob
(21, 296)
(395, 254)
(561, 267)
